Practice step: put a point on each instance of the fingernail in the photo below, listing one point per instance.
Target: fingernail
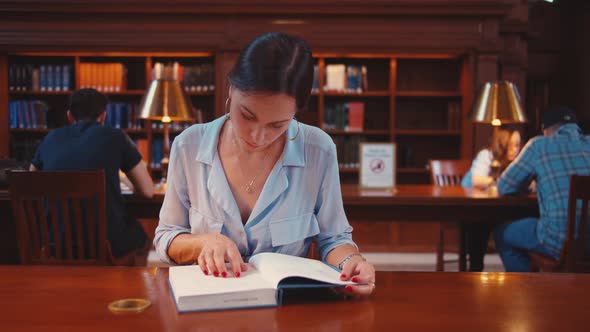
(216, 274)
(343, 276)
(205, 272)
(348, 288)
(355, 279)
(237, 274)
(224, 274)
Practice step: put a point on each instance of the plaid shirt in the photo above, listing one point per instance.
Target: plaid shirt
(550, 161)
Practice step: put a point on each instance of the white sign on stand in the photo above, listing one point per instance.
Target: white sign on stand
(377, 166)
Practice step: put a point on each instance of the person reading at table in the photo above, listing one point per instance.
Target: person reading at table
(87, 144)
(500, 153)
(549, 160)
(257, 180)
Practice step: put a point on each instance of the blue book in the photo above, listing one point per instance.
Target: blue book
(262, 285)
(65, 81)
(50, 78)
(12, 108)
(117, 110)
(32, 107)
(58, 77)
(43, 77)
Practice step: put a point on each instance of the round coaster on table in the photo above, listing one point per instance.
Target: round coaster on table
(129, 306)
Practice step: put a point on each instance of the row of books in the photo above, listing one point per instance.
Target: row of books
(347, 149)
(26, 77)
(123, 115)
(346, 78)
(349, 116)
(104, 77)
(454, 116)
(195, 78)
(173, 126)
(23, 150)
(29, 114)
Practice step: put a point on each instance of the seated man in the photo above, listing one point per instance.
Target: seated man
(86, 144)
(550, 160)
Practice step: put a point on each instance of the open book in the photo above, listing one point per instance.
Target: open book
(268, 275)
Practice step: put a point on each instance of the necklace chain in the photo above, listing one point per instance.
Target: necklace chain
(248, 186)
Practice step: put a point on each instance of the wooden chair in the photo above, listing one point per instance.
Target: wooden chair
(447, 173)
(61, 218)
(573, 258)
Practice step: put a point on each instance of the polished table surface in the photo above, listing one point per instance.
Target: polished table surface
(406, 203)
(76, 298)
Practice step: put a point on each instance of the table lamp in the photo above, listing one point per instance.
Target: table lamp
(166, 101)
(496, 104)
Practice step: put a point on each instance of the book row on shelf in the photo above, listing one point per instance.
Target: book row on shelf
(195, 78)
(104, 77)
(347, 150)
(43, 77)
(348, 116)
(156, 149)
(123, 116)
(346, 78)
(27, 114)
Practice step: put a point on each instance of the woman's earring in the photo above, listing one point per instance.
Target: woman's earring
(296, 134)
(226, 107)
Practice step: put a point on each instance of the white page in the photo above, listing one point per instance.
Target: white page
(275, 267)
(189, 280)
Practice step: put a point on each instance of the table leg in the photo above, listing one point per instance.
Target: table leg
(462, 251)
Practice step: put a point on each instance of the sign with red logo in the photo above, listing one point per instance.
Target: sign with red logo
(377, 165)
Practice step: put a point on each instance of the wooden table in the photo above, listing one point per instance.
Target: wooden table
(408, 203)
(76, 298)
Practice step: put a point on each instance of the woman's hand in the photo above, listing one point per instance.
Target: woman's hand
(359, 271)
(218, 249)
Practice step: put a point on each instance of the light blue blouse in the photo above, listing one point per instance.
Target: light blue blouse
(481, 166)
(300, 202)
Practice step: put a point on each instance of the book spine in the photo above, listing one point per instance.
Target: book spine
(58, 77)
(50, 78)
(65, 80)
(43, 77)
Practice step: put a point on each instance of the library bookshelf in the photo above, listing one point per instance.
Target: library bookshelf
(417, 101)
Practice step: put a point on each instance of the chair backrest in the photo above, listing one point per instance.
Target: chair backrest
(60, 216)
(448, 172)
(576, 259)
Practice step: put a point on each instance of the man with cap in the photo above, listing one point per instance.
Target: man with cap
(549, 160)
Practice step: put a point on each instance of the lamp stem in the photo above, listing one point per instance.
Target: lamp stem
(166, 149)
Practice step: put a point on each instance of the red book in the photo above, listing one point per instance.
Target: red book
(356, 116)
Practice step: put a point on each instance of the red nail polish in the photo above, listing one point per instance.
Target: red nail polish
(355, 279)
(348, 288)
(224, 274)
(205, 272)
(343, 276)
(215, 273)
(237, 274)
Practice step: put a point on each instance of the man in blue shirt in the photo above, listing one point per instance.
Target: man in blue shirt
(549, 160)
(86, 144)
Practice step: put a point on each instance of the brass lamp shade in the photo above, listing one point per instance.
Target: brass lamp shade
(166, 101)
(497, 103)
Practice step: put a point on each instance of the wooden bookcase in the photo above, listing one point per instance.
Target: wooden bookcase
(416, 101)
(137, 77)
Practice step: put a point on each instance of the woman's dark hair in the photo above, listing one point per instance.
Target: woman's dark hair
(499, 147)
(87, 104)
(277, 63)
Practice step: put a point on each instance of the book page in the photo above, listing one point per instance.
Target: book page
(276, 267)
(189, 280)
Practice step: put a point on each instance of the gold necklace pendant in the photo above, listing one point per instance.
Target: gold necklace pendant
(248, 187)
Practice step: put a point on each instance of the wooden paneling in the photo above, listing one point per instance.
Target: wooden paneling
(4, 118)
